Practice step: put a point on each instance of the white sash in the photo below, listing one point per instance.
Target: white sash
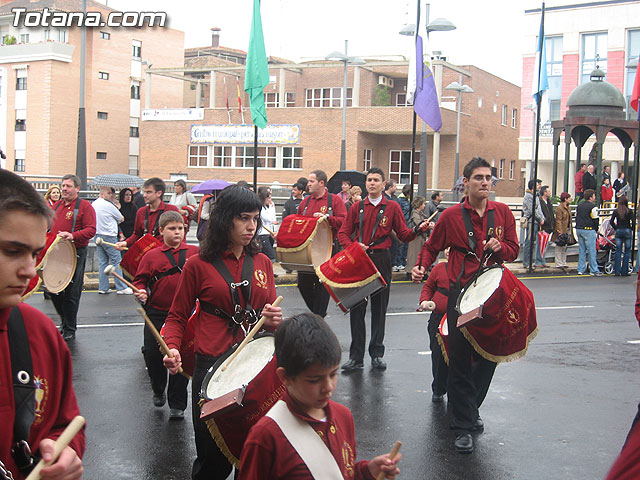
(313, 451)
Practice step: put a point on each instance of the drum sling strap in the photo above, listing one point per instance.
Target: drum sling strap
(154, 232)
(176, 267)
(468, 224)
(306, 442)
(329, 205)
(23, 390)
(375, 227)
(240, 315)
(76, 209)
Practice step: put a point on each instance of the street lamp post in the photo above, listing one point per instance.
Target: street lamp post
(344, 58)
(455, 86)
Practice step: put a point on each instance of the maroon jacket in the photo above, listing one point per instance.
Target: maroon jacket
(314, 205)
(438, 279)
(138, 228)
(85, 228)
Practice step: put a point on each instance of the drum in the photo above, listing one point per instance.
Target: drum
(234, 400)
(350, 277)
(55, 266)
(443, 338)
(303, 242)
(132, 258)
(497, 314)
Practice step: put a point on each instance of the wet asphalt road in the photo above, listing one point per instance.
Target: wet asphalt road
(560, 413)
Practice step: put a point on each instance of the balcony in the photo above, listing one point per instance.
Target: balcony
(32, 52)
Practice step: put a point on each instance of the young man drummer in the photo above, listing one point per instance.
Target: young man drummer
(157, 278)
(308, 354)
(370, 222)
(147, 218)
(320, 203)
(492, 228)
(45, 372)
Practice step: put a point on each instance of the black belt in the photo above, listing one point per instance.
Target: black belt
(584, 228)
(376, 251)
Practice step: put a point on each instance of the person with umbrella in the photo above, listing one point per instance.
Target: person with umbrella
(185, 201)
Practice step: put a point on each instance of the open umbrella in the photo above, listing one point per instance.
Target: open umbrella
(116, 180)
(209, 186)
(334, 185)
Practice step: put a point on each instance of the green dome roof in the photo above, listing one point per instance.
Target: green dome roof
(596, 98)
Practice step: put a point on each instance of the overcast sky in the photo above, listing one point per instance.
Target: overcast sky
(488, 35)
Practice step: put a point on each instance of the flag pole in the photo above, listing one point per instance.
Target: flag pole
(255, 158)
(413, 130)
(636, 170)
(535, 156)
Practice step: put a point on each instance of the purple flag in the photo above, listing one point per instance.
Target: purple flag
(425, 100)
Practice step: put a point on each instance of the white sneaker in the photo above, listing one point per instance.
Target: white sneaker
(104, 292)
(126, 291)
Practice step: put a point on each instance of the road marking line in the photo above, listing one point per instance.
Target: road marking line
(100, 325)
(565, 307)
(395, 314)
(635, 342)
(428, 352)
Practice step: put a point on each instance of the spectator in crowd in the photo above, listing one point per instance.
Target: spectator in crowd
(621, 186)
(534, 221)
(303, 181)
(344, 192)
(606, 173)
(266, 234)
(563, 226)
(589, 179)
(586, 228)
(606, 192)
(356, 196)
(578, 181)
(291, 205)
(390, 188)
(547, 209)
(128, 210)
(432, 207)
(418, 215)
(623, 221)
(53, 195)
(138, 198)
(400, 261)
(184, 201)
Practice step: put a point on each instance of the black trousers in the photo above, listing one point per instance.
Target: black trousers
(439, 367)
(67, 302)
(313, 292)
(469, 374)
(210, 463)
(379, 302)
(177, 391)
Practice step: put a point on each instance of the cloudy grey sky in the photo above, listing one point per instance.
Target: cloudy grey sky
(488, 35)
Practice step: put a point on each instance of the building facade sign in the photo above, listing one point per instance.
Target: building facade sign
(168, 114)
(243, 134)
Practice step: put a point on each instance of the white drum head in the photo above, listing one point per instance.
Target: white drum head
(244, 368)
(479, 292)
(59, 266)
(322, 244)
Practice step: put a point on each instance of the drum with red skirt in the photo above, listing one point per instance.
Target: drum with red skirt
(303, 242)
(132, 258)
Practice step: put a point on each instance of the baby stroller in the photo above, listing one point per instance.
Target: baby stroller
(606, 248)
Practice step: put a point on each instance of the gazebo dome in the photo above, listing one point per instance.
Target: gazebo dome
(596, 98)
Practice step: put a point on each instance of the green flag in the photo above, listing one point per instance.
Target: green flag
(257, 72)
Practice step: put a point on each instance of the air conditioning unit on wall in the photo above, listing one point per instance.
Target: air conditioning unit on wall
(386, 81)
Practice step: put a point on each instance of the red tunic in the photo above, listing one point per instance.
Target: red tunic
(438, 278)
(201, 280)
(55, 398)
(393, 219)
(450, 232)
(85, 221)
(268, 455)
(154, 262)
(320, 205)
(606, 193)
(578, 181)
(141, 214)
(627, 466)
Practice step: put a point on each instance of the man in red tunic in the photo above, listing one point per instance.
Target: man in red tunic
(492, 228)
(24, 218)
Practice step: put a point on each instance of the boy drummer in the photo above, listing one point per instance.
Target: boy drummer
(308, 354)
(157, 278)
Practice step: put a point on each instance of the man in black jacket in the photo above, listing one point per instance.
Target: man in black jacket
(547, 209)
(589, 180)
(586, 231)
(291, 205)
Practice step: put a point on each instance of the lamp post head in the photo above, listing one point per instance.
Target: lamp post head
(455, 86)
(337, 57)
(408, 30)
(440, 25)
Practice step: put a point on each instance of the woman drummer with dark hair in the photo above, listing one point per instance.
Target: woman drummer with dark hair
(234, 285)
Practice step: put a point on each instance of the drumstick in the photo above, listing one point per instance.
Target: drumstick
(111, 270)
(163, 346)
(270, 232)
(392, 455)
(67, 435)
(100, 241)
(428, 219)
(251, 334)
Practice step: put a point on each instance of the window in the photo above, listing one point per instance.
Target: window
(222, 156)
(103, 75)
(266, 157)
(46, 35)
(633, 47)
(21, 83)
(326, 97)
(102, 115)
(554, 109)
(21, 125)
(136, 51)
(401, 100)
(400, 166)
(366, 163)
(197, 156)
(24, 38)
(18, 165)
(514, 118)
(291, 99)
(134, 132)
(512, 169)
(105, 35)
(101, 155)
(501, 169)
(292, 157)
(504, 115)
(135, 91)
(594, 53)
(271, 99)
(62, 36)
